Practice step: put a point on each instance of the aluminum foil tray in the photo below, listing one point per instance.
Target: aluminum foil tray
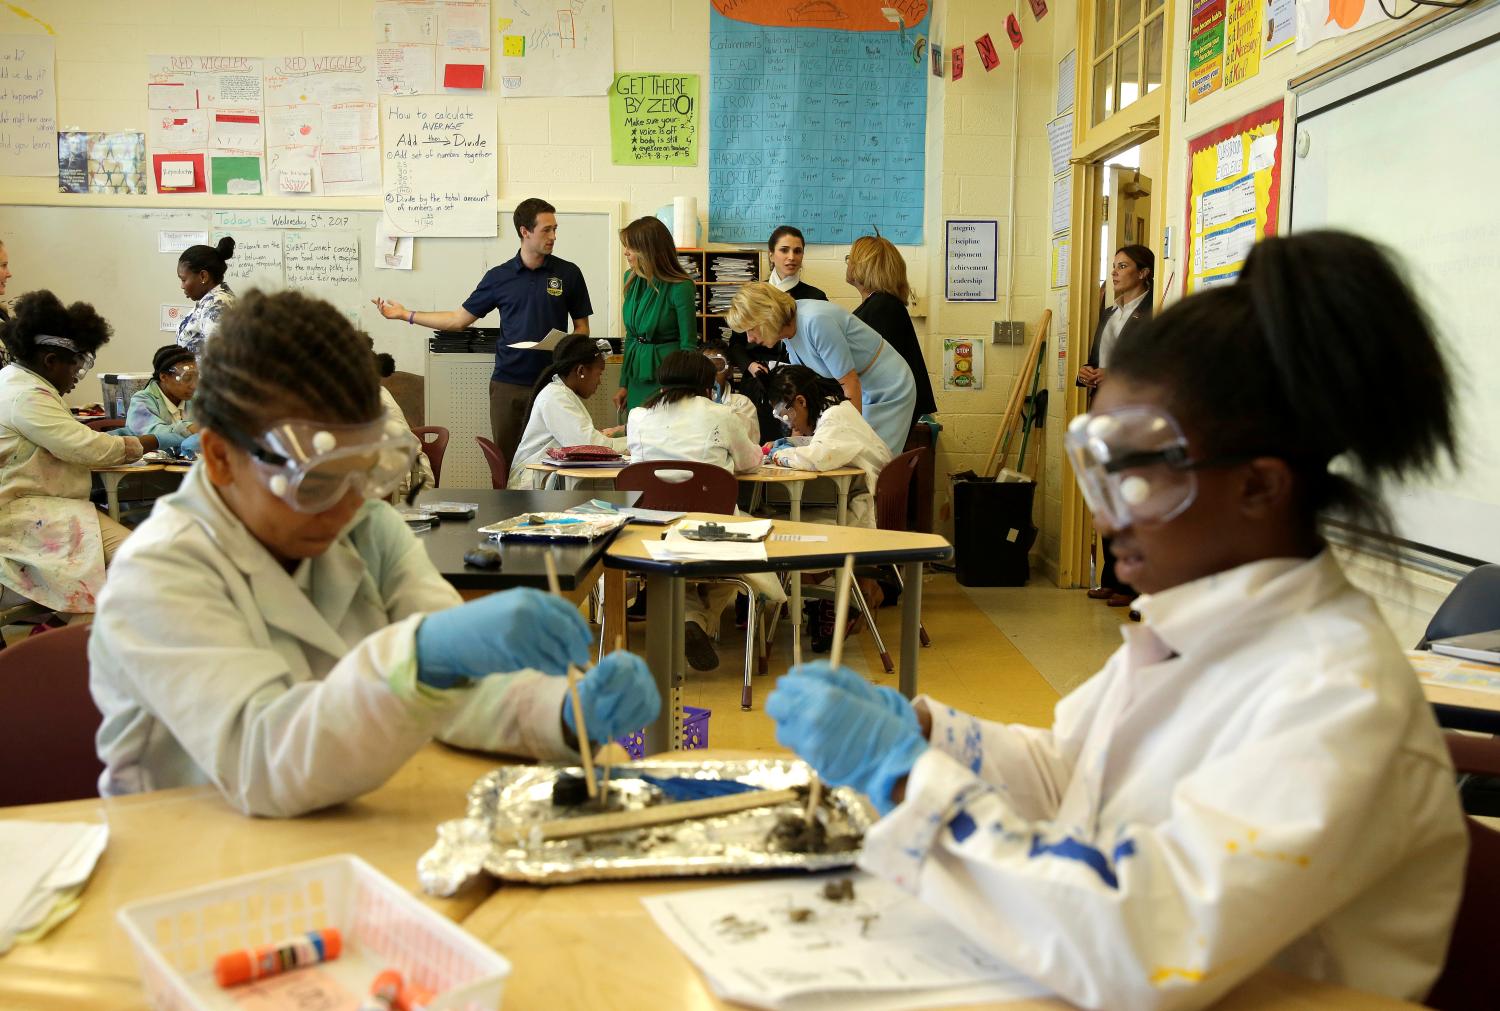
(505, 802)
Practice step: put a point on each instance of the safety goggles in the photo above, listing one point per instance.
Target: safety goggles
(184, 372)
(85, 358)
(1132, 465)
(312, 465)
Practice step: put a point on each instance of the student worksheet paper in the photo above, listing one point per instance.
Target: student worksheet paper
(322, 125)
(556, 49)
(204, 124)
(425, 47)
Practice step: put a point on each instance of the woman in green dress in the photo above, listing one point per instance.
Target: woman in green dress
(659, 312)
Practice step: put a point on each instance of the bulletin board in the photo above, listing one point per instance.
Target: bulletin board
(1234, 193)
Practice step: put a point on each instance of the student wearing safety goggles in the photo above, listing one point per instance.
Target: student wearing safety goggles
(1254, 777)
(723, 391)
(297, 645)
(54, 544)
(163, 408)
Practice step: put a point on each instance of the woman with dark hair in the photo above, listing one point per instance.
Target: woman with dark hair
(324, 647)
(1260, 744)
(660, 313)
(200, 271)
(54, 544)
(559, 414)
(1131, 277)
(787, 248)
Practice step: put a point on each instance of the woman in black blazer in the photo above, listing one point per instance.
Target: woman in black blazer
(876, 270)
(1130, 277)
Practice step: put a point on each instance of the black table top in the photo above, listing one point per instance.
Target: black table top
(520, 565)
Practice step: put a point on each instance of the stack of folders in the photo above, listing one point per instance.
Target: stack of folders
(731, 268)
(690, 267)
(1481, 646)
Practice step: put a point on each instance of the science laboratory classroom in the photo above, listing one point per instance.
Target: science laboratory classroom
(688, 504)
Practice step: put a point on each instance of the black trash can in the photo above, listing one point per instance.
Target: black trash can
(992, 531)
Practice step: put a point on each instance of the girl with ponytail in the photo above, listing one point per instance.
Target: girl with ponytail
(559, 415)
(1254, 776)
(200, 271)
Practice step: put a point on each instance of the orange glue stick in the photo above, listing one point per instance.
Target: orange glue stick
(248, 964)
(384, 992)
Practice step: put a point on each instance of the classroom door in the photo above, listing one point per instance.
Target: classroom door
(1127, 211)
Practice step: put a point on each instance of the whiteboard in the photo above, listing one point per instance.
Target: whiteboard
(108, 256)
(1403, 150)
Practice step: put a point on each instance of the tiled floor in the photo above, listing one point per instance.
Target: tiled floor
(1004, 654)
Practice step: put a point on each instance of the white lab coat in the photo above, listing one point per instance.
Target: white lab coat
(559, 417)
(744, 409)
(50, 548)
(1254, 777)
(289, 692)
(843, 438)
(694, 428)
(421, 467)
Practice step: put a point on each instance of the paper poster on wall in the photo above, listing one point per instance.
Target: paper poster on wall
(113, 162)
(957, 62)
(556, 49)
(425, 47)
(970, 265)
(172, 317)
(1234, 188)
(819, 126)
(1067, 67)
(1062, 204)
(392, 252)
(28, 106)
(1060, 142)
(1244, 22)
(1062, 257)
(204, 123)
(1205, 49)
(1328, 19)
(963, 363)
(1280, 29)
(438, 157)
(653, 119)
(322, 125)
(172, 240)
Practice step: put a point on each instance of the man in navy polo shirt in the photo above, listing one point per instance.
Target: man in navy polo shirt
(535, 292)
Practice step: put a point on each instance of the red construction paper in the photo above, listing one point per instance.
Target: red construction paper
(1039, 9)
(200, 178)
(1013, 29)
(957, 62)
(987, 54)
(224, 117)
(463, 75)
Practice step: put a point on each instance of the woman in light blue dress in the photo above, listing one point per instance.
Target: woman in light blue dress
(828, 339)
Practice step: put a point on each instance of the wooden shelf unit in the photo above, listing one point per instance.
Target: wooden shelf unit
(701, 270)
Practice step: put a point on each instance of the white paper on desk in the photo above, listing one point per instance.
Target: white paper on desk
(42, 860)
(884, 949)
(680, 548)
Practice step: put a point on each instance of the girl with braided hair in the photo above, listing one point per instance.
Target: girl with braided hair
(558, 415)
(293, 644)
(54, 544)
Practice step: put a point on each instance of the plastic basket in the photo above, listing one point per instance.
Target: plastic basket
(177, 937)
(694, 733)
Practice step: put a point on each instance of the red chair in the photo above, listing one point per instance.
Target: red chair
(48, 722)
(689, 486)
(892, 492)
(1471, 974)
(104, 424)
(434, 439)
(499, 465)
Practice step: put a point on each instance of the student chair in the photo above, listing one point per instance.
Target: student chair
(48, 722)
(1471, 974)
(690, 486)
(892, 495)
(499, 465)
(434, 439)
(1472, 606)
(21, 612)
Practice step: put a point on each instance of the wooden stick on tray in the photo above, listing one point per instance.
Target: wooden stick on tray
(835, 658)
(585, 746)
(661, 814)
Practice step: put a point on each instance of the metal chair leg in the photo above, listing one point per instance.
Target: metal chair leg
(921, 628)
(864, 609)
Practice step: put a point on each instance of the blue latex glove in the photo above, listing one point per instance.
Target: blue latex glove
(849, 740)
(887, 698)
(190, 445)
(782, 458)
(618, 697)
(501, 633)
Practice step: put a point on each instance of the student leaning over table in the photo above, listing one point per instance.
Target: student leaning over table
(295, 645)
(54, 543)
(164, 407)
(1254, 777)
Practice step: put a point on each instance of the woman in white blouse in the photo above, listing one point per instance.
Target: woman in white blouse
(559, 415)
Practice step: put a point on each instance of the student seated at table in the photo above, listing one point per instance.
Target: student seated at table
(827, 433)
(164, 407)
(275, 629)
(724, 391)
(682, 422)
(54, 543)
(421, 471)
(1254, 777)
(559, 415)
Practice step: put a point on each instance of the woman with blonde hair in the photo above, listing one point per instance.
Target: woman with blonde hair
(876, 270)
(659, 309)
(827, 339)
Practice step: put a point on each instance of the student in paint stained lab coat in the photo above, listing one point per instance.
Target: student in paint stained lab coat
(1254, 777)
(827, 433)
(559, 415)
(276, 630)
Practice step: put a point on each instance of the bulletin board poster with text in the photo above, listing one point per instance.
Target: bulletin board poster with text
(1233, 195)
(653, 119)
(1205, 49)
(819, 118)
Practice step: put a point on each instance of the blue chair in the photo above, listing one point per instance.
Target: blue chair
(1472, 606)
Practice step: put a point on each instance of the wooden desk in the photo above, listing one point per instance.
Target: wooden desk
(794, 481)
(111, 477)
(175, 839)
(665, 582)
(1455, 706)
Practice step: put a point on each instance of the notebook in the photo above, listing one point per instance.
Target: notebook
(1483, 646)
